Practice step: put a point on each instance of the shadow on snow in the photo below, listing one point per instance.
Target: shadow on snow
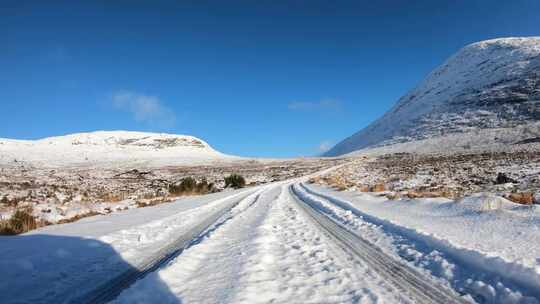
(41, 268)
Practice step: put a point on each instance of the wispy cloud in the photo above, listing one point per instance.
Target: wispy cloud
(144, 108)
(325, 146)
(323, 104)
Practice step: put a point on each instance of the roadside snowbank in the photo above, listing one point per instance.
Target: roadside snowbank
(497, 240)
(66, 261)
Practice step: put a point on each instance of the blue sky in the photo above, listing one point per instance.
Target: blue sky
(253, 78)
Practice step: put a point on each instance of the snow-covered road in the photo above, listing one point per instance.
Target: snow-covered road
(271, 251)
(268, 251)
(280, 243)
(409, 281)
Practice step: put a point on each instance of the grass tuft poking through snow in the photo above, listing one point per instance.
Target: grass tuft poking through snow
(20, 222)
(235, 181)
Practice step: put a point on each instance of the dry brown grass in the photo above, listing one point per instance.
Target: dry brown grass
(154, 202)
(314, 180)
(431, 194)
(379, 187)
(524, 198)
(13, 202)
(77, 217)
(23, 221)
(392, 196)
(337, 182)
(113, 197)
(190, 186)
(20, 222)
(363, 188)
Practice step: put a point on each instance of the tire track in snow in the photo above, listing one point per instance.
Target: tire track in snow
(216, 256)
(109, 290)
(293, 262)
(479, 278)
(403, 277)
(266, 253)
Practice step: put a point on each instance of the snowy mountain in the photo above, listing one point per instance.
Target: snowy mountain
(493, 84)
(114, 148)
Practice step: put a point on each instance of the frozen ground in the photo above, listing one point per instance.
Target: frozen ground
(266, 248)
(66, 193)
(480, 140)
(512, 172)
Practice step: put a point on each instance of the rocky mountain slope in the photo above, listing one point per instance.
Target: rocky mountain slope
(108, 148)
(490, 85)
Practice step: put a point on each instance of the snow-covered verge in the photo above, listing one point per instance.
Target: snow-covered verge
(66, 261)
(116, 149)
(66, 194)
(481, 245)
(512, 173)
(266, 249)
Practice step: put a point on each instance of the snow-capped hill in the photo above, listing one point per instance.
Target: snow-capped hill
(128, 138)
(109, 148)
(489, 84)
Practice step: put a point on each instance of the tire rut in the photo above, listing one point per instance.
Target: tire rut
(410, 282)
(108, 291)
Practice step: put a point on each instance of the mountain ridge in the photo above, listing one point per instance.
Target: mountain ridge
(488, 84)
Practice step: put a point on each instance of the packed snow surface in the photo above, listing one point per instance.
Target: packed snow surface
(266, 249)
(484, 245)
(269, 253)
(67, 261)
(488, 84)
(109, 148)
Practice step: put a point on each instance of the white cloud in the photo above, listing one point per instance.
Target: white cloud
(324, 104)
(144, 108)
(325, 146)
